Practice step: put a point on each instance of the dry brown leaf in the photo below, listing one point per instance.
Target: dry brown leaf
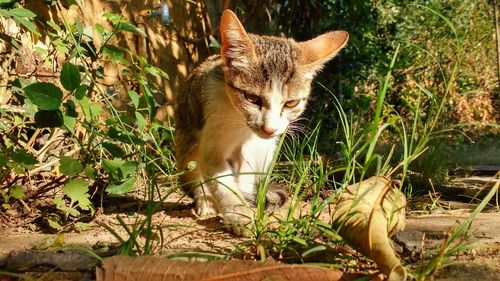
(367, 214)
(146, 268)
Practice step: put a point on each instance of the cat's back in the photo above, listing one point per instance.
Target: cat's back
(192, 96)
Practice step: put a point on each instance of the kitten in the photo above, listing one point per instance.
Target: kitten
(232, 109)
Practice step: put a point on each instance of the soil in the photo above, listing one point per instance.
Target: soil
(183, 234)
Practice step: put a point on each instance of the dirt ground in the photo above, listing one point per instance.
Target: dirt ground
(183, 233)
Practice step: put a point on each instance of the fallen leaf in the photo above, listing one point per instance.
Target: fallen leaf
(147, 268)
(366, 215)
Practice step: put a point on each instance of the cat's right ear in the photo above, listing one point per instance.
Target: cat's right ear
(237, 48)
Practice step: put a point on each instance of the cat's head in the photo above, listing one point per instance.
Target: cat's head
(268, 78)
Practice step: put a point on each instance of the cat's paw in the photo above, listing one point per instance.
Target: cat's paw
(205, 208)
(238, 219)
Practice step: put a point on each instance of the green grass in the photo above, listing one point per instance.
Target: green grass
(361, 158)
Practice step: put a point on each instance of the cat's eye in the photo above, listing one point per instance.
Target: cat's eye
(252, 98)
(291, 103)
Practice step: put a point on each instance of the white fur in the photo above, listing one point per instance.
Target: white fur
(225, 136)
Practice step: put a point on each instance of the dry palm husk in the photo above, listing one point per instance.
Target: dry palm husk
(366, 215)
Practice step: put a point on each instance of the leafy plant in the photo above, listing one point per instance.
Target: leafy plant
(20, 15)
(98, 148)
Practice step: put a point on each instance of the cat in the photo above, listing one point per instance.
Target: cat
(232, 109)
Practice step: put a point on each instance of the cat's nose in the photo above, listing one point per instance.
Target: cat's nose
(268, 130)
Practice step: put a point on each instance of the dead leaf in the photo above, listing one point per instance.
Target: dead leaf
(147, 268)
(367, 214)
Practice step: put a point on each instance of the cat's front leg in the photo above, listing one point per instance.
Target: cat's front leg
(204, 200)
(231, 204)
(221, 183)
(192, 183)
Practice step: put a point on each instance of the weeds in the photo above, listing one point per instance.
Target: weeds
(455, 241)
(99, 149)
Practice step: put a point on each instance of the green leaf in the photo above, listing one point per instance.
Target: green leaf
(4, 13)
(3, 160)
(22, 12)
(70, 108)
(141, 122)
(76, 190)
(105, 34)
(114, 149)
(70, 76)
(20, 83)
(49, 119)
(70, 166)
(90, 172)
(17, 192)
(125, 137)
(71, 2)
(61, 205)
(134, 97)
(54, 25)
(120, 169)
(125, 26)
(299, 240)
(128, 169)
(155, 71)
(100, 29)
(149, 100)
(81, 226)
(69, 123)
(61, 46)
(112, 166)
(46, 96)
(54, 221)
(11, 40)
(119, 189)
(113, 18)
(26, 23)
(91, 110)
(115, 53)
(318, 248)
(95, 110)
(81, 92)
(79, 27)
(21, 156)
(7, 2)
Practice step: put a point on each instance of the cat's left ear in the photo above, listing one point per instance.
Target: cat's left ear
(318, 51)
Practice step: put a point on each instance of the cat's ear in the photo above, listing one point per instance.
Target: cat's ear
(237, 48)
(318, 51)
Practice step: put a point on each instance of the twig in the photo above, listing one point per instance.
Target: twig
(53, 162)
(16, 178)
(29, 75)
(6, 219)
(35, 70)
(42, 151)
(44, 188)
(33, 138)
(13, 109)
